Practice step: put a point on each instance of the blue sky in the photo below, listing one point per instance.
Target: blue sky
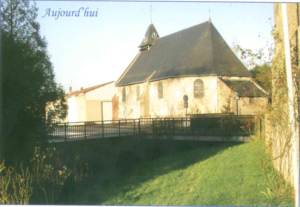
(88, 51)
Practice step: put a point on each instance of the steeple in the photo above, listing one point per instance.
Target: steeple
(149, 38)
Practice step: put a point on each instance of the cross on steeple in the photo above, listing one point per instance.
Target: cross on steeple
(151, 13)
(209, 14)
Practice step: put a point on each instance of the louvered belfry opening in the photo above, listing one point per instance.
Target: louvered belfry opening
(198, 88)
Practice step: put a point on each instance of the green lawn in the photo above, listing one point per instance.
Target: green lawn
(217, 175)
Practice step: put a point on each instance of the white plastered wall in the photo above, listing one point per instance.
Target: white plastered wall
(72, 111)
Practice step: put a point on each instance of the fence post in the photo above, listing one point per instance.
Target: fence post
(119, 128)
(205, 125)
(260, 127)
(84, 130)
(65, 132)
(214, 126)
(222, 126)
(235, 126)
(173, 126)
(186, 125)
(257, 126)
(133, 126)
(180, 125)
(191, 125)
(102, 129)
(139, 126)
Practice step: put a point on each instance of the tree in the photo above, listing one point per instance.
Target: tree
(263, 75)
(28, 82)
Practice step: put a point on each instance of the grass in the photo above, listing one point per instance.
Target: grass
(218, 175)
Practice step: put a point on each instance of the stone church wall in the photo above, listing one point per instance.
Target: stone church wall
(172, 104)
(131, 107)
(217, 95)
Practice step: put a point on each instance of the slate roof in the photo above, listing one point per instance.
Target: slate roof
(196, 51)
(86, 89)
(244, 88)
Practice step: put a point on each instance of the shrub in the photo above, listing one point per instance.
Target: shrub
(49, 178)
(15, 188)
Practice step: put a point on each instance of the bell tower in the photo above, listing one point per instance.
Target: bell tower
(150, 36)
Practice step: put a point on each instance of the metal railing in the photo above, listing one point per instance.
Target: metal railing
(202, 126)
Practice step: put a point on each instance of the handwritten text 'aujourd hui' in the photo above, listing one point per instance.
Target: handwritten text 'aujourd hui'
(76, 13)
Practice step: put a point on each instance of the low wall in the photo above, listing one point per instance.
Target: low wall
(201, 138)
(114, 155)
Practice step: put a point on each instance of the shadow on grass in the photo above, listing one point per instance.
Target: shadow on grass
(132, 168)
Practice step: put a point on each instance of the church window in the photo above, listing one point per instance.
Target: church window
(138, 93)
(124, 95)
(198, 88)
(160, 90)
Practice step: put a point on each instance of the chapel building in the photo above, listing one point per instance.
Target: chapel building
(195, 62)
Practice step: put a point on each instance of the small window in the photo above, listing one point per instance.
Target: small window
(124, 95)
(198, 88)
(138, 93)
(160, 90)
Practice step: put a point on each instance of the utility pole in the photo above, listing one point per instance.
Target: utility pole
(291, 99)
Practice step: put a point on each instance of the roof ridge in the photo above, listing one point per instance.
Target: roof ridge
(103, 84)
(87, 89)
(182, 30)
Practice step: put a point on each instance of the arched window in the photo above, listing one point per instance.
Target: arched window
(198, 88)
(138, 93)
(160, 90)
(124, 95)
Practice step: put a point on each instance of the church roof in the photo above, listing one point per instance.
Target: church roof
(244, 88)
(196, 51)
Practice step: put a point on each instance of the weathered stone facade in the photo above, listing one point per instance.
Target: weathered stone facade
(217, 95)
(279, 133)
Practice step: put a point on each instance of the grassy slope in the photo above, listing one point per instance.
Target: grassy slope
(219, 175)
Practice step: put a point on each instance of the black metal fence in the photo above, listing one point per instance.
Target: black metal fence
(203, 126)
